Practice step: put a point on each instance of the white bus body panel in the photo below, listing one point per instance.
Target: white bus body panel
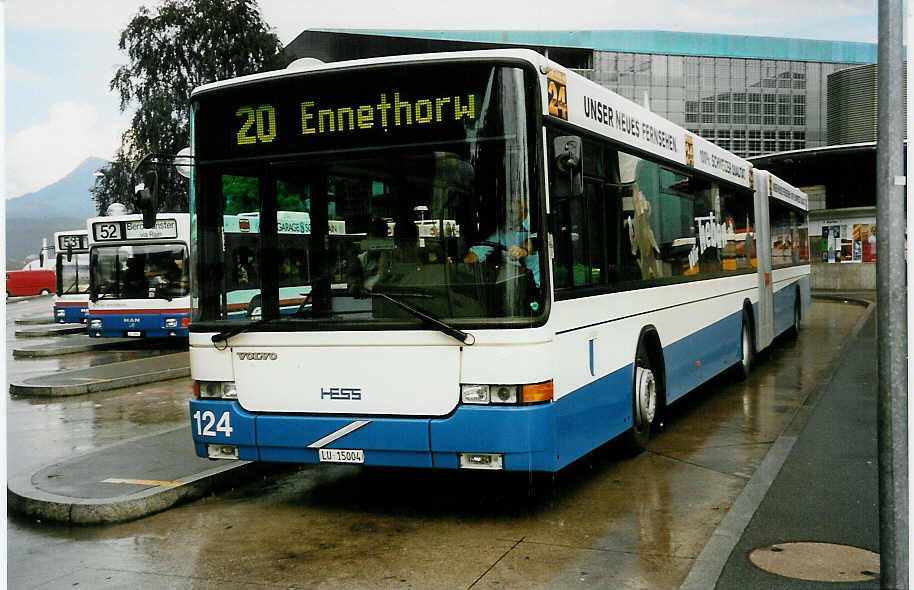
(764, 332)
(411, 380)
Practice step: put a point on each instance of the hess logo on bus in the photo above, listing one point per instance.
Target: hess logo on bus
(257, 356)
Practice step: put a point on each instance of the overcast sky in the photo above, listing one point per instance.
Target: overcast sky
(60, 55)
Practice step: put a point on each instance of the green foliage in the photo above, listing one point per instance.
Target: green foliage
(173, 49)
(241, 194)
(113, 185)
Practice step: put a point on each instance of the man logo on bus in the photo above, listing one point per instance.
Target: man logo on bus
(257, 356)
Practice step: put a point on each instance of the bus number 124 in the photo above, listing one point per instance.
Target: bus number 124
(206, 421)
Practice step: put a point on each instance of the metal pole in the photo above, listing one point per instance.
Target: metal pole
(909, 191)
(891, 303)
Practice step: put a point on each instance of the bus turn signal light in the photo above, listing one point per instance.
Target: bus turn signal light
(537, 393)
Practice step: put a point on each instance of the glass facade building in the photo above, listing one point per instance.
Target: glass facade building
(748, 106)
(749, 95)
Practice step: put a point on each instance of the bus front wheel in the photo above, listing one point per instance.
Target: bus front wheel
(645, 402)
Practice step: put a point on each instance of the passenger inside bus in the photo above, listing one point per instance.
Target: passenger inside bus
(367, 268)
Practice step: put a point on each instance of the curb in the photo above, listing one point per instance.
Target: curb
(44, 351)
(35, 321)
(101, 385)
(52, 330)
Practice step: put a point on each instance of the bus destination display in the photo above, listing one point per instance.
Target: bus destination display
(134, 230)
(75, 242)
(337, 111)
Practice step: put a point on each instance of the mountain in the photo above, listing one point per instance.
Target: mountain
(64, 205)
(68, 197)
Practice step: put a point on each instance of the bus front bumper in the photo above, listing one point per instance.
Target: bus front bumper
(514, 438)
(160, 324)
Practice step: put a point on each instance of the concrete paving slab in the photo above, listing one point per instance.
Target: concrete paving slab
(122, 482)
(50, 330)
(106, 377)
(75, 343)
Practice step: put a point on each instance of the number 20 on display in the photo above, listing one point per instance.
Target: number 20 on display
(258, 125)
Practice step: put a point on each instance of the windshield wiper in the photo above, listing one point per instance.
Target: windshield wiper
(224, 335)
(455, 333)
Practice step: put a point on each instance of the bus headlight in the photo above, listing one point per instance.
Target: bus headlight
(215, 390)
(96, 324)
(531, 393)
(474, 394)
(171, 322)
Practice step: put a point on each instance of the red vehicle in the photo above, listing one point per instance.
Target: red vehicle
(30, 282)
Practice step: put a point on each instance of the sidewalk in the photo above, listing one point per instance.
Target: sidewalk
(810, 512)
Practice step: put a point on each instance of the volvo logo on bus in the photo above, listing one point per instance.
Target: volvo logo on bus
(256, 356)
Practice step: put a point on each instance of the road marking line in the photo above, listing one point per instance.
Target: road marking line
(143, 482)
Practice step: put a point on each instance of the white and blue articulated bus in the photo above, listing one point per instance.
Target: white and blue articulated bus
(71, 304)
(530, 265)
(138, 283)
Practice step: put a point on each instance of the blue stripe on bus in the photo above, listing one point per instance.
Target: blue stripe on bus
(700, 356)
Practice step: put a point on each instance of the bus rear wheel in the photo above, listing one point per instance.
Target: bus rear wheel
(747, 350)
(645, 403)
(795, 328)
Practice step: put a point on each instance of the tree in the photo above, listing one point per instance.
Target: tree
(183, 44)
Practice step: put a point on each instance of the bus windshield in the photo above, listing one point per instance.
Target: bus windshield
(72, 275)
(139, 272)
(443, 219)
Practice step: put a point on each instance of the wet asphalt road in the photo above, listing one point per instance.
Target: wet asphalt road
(608, 521)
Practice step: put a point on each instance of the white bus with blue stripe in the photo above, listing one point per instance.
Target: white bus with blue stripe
(138, 285)
(542, 265)
(71, 304)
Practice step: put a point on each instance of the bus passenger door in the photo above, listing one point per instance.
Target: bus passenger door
(764, 333)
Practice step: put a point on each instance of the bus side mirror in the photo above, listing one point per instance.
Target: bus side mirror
(41, 259)
(69, 253)
(569, 182)
(147, 199)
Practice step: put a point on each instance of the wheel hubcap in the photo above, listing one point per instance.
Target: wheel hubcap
(746, 346)
(647, 395)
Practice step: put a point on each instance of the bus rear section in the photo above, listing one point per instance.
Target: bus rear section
(71, 305)
(138, 277)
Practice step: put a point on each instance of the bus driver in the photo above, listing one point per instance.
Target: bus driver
(516, 239)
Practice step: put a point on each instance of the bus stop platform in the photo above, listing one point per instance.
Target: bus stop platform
(123, 482)
(105, 377)
(75, 343)
(38, 320)
(51, 330)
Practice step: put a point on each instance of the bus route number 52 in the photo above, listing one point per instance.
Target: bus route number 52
(206, 424)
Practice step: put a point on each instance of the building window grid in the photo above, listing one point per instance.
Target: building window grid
(724, 92)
